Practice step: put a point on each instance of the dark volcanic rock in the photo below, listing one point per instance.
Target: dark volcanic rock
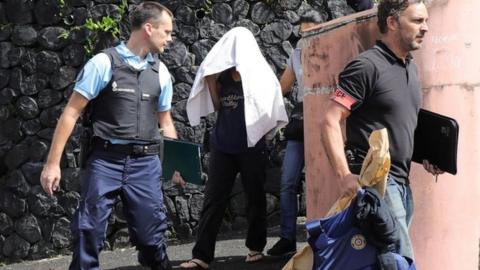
(99, 11)
(49, 116)
(222, 13)
(50, 38)
(4, 77)
(48, 61)
(29, 62)
(181, 91)
(11, 129)
(262, 13)
(187, 33)
(17, 156)
(31, 171)
(48, 98)
(6, 224)
(27, 107)
(185, 15)
(47, 12)
(5, 48)
(15, 55)
(61, 235)
(16, 182)
(201, 49)
(63, 77)
(255, 29)
(11, 204)
(19, 11)
(16, 247)
(39, 150)
(175, 54)
(276, 32)
(240, 9)
(24, 35)
(8, 95)
(74, 55)
(27, 227)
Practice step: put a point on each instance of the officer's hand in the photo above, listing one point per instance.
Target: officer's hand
(433, 169)
(349, 185)
(50, 178)
(177, 179)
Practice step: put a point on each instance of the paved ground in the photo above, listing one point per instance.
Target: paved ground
(230, 255)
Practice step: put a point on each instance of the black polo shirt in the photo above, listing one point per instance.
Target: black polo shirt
(382, 91)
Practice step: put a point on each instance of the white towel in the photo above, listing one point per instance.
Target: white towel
(264, 107)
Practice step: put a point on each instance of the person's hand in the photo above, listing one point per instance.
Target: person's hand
(177, 179)
(433, 169)
(349, 185)
(50, 178)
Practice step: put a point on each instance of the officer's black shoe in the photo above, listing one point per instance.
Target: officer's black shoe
(164, 265)
(283, 247)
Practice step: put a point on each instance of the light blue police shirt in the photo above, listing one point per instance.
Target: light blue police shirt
(97, 73)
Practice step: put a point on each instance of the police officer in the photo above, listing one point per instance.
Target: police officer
(129, 91)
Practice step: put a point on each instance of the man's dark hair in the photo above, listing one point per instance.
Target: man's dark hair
(394, 8)
(311, 16)
(147, 11)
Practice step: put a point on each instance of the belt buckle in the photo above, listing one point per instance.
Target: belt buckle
(138, 149)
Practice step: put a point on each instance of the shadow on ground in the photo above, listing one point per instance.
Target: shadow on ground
(230, 263)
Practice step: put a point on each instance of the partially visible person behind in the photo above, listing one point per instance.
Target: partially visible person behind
(235, 80)
(381, 89)
(294, 159)
(130, 92)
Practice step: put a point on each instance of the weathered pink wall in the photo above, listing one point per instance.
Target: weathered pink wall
(326, 51)
(446, 224)
(446, 227)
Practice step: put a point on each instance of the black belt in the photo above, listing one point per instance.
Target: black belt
(128, 149)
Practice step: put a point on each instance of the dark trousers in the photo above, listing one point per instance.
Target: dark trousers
(222, 172)
(136, 180)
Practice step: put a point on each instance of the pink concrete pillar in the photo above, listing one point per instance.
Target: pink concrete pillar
(326, 51)
(446, 227)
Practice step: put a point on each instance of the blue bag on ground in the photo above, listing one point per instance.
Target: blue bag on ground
(339, 244)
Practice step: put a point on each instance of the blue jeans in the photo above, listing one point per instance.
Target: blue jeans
(136, 180)
(400, 200)
(293, 163)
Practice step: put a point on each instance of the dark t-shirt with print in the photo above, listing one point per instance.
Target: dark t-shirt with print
(230, 133)
(385, 93)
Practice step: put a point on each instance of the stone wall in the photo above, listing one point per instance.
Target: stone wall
(44, 43)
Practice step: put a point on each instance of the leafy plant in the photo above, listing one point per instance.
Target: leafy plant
(123, 7)
(207, 7)
(107, 24)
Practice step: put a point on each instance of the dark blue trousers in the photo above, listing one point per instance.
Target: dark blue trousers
(136, 179)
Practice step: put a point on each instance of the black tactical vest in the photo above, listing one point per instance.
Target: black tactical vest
(127, 107)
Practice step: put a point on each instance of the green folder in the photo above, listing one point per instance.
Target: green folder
(183, 157)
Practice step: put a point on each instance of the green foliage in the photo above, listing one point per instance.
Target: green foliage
(207, 7)
(6, 25)
(107, 25)
(89, 46)
(123, 7)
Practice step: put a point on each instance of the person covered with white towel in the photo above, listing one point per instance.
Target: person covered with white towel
(235, 80)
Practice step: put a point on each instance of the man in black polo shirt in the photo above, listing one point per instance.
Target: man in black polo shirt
(381, 89)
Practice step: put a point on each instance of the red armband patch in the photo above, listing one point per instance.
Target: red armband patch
(343, 98)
